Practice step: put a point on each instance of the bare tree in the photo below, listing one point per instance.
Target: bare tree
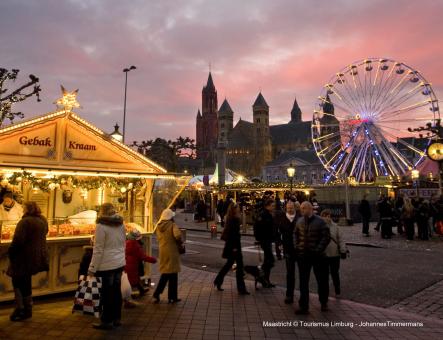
(9, 97)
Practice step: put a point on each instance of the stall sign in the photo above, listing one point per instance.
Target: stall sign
(37, 142)
(422, 192)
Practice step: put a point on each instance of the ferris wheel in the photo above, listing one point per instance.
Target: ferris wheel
(364, 125)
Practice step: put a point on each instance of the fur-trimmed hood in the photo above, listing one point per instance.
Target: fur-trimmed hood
(112, 221)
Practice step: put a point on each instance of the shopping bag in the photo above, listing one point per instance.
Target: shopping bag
(87, 297)
(126, 287)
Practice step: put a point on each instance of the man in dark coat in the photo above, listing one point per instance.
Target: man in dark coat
(311, 239)
(285, 222)
(28, 255)
(365, 211)
(264, 233)
(386, 211)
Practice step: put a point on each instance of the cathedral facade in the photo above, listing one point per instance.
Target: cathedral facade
(246, 146)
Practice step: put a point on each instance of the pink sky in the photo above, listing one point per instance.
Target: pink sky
(286, 48)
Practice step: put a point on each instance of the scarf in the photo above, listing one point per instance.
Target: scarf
(290, 217)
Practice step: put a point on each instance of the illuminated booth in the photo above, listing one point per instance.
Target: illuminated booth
(70, 167)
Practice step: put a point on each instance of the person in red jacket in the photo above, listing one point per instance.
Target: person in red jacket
(135, 255)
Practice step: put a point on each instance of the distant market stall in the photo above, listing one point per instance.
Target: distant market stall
(70, 167)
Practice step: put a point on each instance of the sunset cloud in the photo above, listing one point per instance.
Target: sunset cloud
(285, 48)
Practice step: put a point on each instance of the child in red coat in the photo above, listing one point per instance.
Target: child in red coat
(134, 256)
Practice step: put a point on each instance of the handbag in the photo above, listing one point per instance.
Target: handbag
(87, 297)
(125, 287)
(180, 244)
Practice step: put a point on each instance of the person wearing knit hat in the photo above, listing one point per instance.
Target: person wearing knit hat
(134, 256)
(167, 215)
(168, 235)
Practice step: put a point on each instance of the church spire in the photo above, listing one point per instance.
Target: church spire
(295, 113)
(210, 83)
(328, 107)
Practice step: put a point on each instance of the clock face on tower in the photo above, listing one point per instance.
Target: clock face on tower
(435, 151)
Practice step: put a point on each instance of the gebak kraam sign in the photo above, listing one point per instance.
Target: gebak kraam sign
(36, 141)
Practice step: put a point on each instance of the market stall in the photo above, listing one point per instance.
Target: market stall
(70, 167)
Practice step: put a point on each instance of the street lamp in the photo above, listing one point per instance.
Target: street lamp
(126, 70)
(415, 174)
(291, 172)
(116, 134)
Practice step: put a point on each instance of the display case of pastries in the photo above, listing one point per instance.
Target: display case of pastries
(64, 228)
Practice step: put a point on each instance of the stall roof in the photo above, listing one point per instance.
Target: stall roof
(63, 141)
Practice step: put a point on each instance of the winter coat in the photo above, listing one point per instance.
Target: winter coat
(135, 255)
(231, 236)
(286, 229)
(11, 216)
(167, 236)
(385, 210)
(337, 245)
(264, 228)
(364, 209)
(28, 253)
(311, 236)
(86, 260)
(109, 246)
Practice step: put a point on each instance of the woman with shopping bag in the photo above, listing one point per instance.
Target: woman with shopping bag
(107, 263)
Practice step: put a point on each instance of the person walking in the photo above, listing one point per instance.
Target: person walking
(28, 255)
(221, 212)
(168, 235)
(386, 216)
(335, 251)
(408, 218)
(311, 239)
(364, 210)
(107, 263)
(381, 198)
(232, 250)
(264, 232)
(423, 219)
(286, 225)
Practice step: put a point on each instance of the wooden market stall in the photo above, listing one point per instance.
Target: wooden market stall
(70, 168)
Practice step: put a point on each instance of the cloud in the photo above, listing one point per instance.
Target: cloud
(285, 48)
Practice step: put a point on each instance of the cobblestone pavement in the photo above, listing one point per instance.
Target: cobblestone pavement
(205, 313)
(428, 302)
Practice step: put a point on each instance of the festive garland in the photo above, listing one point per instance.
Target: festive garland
(68, 182)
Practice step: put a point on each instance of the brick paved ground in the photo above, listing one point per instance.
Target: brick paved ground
(428, 302)
(206, 313)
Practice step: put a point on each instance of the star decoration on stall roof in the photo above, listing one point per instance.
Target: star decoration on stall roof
(68, 101)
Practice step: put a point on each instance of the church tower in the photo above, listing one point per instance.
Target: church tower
(206, 136)
(295, 113)
(262, 136)
(225, 124)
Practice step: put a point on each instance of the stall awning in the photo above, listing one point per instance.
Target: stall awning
(64, 143)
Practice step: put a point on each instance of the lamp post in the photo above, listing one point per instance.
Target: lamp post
(291, 172)
(116, 134)
(415, 174)
(126, 70)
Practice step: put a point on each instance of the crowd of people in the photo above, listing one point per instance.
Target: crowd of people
(303, 236)
(305, 240)
(406, 215)
(112, 253)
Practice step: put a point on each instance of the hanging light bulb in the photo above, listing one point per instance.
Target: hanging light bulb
(51, 186)
(130, 186)
(123, 190)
